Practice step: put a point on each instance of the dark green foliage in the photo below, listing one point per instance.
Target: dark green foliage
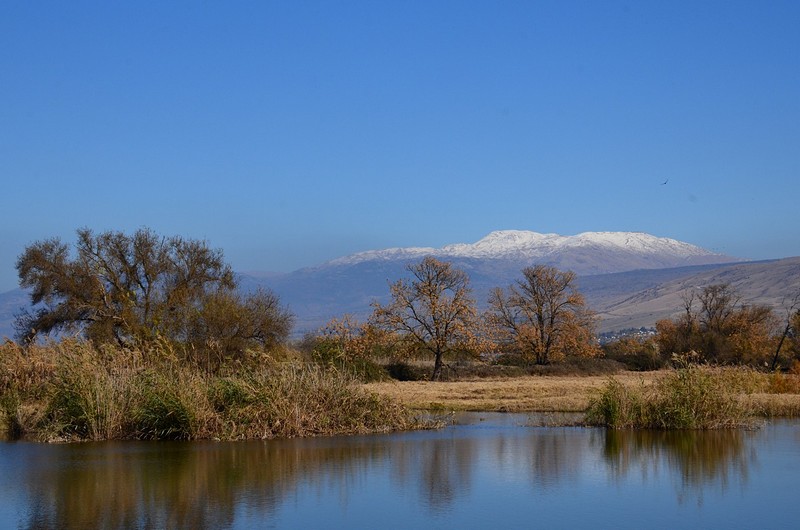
(402, 371)
(228, 393)
(9, 408)
(329, 353)
(162, 413)
(68, 411)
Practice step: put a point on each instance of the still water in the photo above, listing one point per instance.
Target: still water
(486, 471)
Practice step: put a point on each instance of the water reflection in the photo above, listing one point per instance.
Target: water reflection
(694, 459)
(434, 475)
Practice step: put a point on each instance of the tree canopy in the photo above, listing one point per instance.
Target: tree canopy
(434, 310)
(130, 289)
(542, 315)
(717, 327)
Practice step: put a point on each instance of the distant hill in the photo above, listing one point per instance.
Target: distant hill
(349, 284)
(10, 304)
(769, 283)
(640, 278)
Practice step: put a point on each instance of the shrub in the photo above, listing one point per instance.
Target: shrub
(168, 406)
(88, 396)
(688, 398)
(402, 371)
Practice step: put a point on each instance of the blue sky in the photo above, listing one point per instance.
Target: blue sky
(289, 133)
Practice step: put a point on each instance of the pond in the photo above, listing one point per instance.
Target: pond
(486, 470)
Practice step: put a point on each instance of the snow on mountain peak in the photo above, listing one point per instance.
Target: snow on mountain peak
(644, 250)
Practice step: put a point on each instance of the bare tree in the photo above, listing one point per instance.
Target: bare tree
(718, 304)
(791, 314)
(541, 314)
(434, 310)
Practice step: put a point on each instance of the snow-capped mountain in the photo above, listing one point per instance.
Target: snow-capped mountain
(586, 253)
(349, 284)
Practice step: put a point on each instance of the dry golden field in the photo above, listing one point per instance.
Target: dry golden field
(520, 394)
(545, 393)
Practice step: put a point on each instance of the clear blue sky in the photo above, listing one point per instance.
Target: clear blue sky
(289, 133)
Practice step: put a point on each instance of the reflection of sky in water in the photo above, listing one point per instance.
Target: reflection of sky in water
(492, 473)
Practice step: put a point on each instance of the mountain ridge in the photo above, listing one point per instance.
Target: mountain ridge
(584, 253)
(628, 278)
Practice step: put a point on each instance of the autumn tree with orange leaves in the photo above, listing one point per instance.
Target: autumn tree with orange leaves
(433, 311)
(542, 316)
(719, 328)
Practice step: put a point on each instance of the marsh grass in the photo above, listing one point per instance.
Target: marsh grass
(692, 397)
(73, 391)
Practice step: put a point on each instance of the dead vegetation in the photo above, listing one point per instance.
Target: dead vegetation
(519, 394)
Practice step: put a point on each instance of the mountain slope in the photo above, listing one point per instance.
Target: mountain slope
(769, 283)
(586, 253)
(616, 272)
(349, 284)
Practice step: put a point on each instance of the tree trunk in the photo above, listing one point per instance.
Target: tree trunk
(437, 367)
(780, 344)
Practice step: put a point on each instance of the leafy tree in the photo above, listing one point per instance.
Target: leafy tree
(636, 353)
(229, 323)
(132, 289)
(542, 315)
(348, 340)
(434, 311)
(721, 329)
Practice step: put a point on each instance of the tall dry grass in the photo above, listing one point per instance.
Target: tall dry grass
(71, 390)
(693, 397)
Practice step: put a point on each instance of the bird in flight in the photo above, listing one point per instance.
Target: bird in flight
(665, 182)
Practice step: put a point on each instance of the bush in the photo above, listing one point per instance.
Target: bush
(636, 354)
(688, 398)
(169, 405)
(402, 371)
(88, 396)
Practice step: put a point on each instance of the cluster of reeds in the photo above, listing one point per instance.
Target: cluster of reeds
(72, 390)
(692, 397)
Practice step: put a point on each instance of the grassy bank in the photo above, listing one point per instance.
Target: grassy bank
(73, 391)
(764, 394)
(696, 397)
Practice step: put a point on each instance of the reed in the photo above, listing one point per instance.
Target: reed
(73, 391)
(692, 397)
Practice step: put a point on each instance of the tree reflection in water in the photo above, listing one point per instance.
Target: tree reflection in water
(696, 459)
(435, 474)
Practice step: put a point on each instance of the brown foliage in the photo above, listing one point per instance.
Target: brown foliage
(721, 330)
(542, 316)
(434, 311)
(140, 289)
